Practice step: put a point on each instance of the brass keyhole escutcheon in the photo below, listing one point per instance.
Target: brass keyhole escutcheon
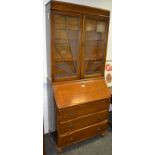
(82, 85)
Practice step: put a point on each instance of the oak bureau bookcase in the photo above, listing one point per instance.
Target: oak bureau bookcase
(78, 41)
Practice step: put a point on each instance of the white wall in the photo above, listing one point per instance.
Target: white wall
(48, 107)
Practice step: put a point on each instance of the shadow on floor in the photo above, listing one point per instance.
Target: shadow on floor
(99, 145)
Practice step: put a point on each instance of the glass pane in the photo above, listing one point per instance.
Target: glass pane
(94, 46)
(66, 35)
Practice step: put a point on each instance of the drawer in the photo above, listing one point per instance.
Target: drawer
(82, 134)
(82, 121)
(82, 109)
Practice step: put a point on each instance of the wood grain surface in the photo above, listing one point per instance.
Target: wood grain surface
(72, 93)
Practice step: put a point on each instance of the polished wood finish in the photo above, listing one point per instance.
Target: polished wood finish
(72, 93)
(65, 65)
(81, 110)
(77, 71)
(63, 6)
(82, 121)
(82, 134)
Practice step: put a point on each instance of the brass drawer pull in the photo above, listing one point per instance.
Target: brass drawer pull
(71, 114)
(99, 117)
(100, 107)
(98, 129)
(70, 126)
(72, 139)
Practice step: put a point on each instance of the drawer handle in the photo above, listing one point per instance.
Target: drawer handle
(70, 126)
(99, 117)
(71, 139)
(71, 114)
(100, 107)
(98, 129)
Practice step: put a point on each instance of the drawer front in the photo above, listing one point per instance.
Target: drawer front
(83, 109)
(83, 121)
(82, 134)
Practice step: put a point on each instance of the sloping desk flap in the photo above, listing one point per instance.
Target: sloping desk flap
(78, 92)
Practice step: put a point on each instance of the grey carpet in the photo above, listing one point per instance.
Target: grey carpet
(99, 145)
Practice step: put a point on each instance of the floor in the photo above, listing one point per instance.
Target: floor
(99, 145)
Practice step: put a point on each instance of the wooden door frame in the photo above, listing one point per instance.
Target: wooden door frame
(65, 13)
(106, 19)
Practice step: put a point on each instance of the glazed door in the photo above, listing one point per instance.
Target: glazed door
(95, 34)
(66, 34)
